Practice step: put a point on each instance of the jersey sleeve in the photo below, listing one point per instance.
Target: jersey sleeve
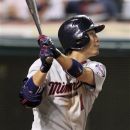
(34, 68)
(99, 71)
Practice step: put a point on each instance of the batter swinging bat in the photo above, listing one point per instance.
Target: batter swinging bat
(33, 10)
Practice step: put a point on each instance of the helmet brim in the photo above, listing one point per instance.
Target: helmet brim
(97, 28)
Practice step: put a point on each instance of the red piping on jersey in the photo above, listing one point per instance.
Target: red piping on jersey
(83, 62)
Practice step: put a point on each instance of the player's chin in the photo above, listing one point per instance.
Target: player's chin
(95, 53)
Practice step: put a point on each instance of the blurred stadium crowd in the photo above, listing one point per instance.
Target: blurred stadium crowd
(53, 10)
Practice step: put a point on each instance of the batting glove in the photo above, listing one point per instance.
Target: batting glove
(46, 41)
(45, 54)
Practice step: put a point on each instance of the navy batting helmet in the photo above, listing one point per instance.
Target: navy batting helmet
(72, 33)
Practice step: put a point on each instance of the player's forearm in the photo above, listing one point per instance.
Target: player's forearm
(64, 61)
(75, 69)
(38, 78)
(71, 66)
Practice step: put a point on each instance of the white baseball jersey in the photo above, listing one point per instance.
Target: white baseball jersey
(66, 101)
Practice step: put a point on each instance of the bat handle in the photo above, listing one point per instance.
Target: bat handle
(39, 30)
(38, 26)
(49, 59)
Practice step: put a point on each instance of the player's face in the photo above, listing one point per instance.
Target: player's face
(93, 46)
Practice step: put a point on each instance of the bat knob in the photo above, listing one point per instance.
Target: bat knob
(49, 59)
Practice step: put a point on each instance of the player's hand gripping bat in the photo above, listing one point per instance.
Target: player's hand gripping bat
(34, 12)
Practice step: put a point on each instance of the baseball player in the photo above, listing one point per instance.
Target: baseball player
(61, 88)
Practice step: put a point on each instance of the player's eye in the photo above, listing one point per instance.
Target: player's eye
(93, 34)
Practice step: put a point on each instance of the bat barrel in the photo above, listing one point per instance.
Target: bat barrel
(33, 10)
(37, 25)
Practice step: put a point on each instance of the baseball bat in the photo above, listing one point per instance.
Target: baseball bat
(34, 12)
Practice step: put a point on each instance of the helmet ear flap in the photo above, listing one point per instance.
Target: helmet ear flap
(81, 42)
(85, 39)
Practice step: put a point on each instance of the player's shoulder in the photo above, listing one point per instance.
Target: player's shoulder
(98, 67)
(35, 66)
(36, 63)
(95, 63)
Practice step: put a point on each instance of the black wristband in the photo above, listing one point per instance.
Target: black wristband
(45, 68)
(76, 69)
